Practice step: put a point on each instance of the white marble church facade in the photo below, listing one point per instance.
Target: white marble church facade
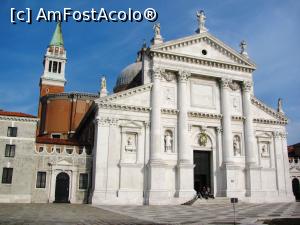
(195, 95)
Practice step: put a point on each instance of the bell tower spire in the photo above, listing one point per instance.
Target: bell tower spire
(53, 78)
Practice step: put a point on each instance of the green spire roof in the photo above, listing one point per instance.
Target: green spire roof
(57, 38)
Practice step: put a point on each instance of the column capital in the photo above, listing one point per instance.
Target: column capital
(219, 130)
(183, 75)
(225, 82)
(157, 73)
(247, 85)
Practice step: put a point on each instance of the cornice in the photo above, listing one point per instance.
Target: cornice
(205, 115)
(113, 106)
(68, 95)
(268, 110)
(169, 111)
(125, 93)
(202, 61)
(268, 121)
(238, 118)
(15, 118)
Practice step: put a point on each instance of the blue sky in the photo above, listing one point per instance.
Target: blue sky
(270, 27)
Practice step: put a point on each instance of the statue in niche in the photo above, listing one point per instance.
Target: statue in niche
(236, 145)
(130, 145)
(168, 141)
(264, 151)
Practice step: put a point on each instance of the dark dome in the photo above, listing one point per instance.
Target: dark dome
(127, 76)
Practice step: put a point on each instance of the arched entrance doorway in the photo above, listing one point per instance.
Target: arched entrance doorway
(296, 188)
(62, 188)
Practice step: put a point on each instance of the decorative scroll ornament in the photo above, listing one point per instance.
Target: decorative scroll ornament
(203, 138)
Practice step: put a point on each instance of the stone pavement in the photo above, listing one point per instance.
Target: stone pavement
(216, 214)
(62, 214)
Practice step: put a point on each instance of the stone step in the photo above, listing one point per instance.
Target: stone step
(217, 200)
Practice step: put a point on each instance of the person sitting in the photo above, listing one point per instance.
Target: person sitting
(204, 192)
(209, 194)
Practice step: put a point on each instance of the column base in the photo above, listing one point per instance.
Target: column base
(185, 173)
(232, 184)
(253, 181)
(157, 193)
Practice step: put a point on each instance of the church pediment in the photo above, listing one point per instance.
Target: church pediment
(138, 97)
(265, 114)
(204, 46)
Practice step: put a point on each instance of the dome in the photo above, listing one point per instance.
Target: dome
(127, 76)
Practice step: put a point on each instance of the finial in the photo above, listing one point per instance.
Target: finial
(243, 46)
(157, 39)
(279, 106)
(201, 22)
(103, 91)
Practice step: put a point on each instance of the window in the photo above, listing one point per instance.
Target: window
(41, 149)
(7, 175)
(79, 150)
(50, 66)
(83, 181)
(54, 67)
(59, 67)
(41, 180)
(58, 150)
(12, 132)
(56, 136)
(69, 150)
(10, 150)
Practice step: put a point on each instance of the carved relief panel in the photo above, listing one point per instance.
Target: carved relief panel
(264, 147)
(169, 97)
(130, 141)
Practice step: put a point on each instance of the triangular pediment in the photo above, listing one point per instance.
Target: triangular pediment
(138, 96)
(63, 163)
(204, 46)
(263, 112)
(131, 124)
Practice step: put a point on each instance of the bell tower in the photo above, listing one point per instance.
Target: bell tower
(53, 78)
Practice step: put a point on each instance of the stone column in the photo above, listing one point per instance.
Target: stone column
(185, 166)
(155, 136)
(229, 169)
(157, 189)
(226, 121)
(250, 153)
(253, 181)
(183, 148)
